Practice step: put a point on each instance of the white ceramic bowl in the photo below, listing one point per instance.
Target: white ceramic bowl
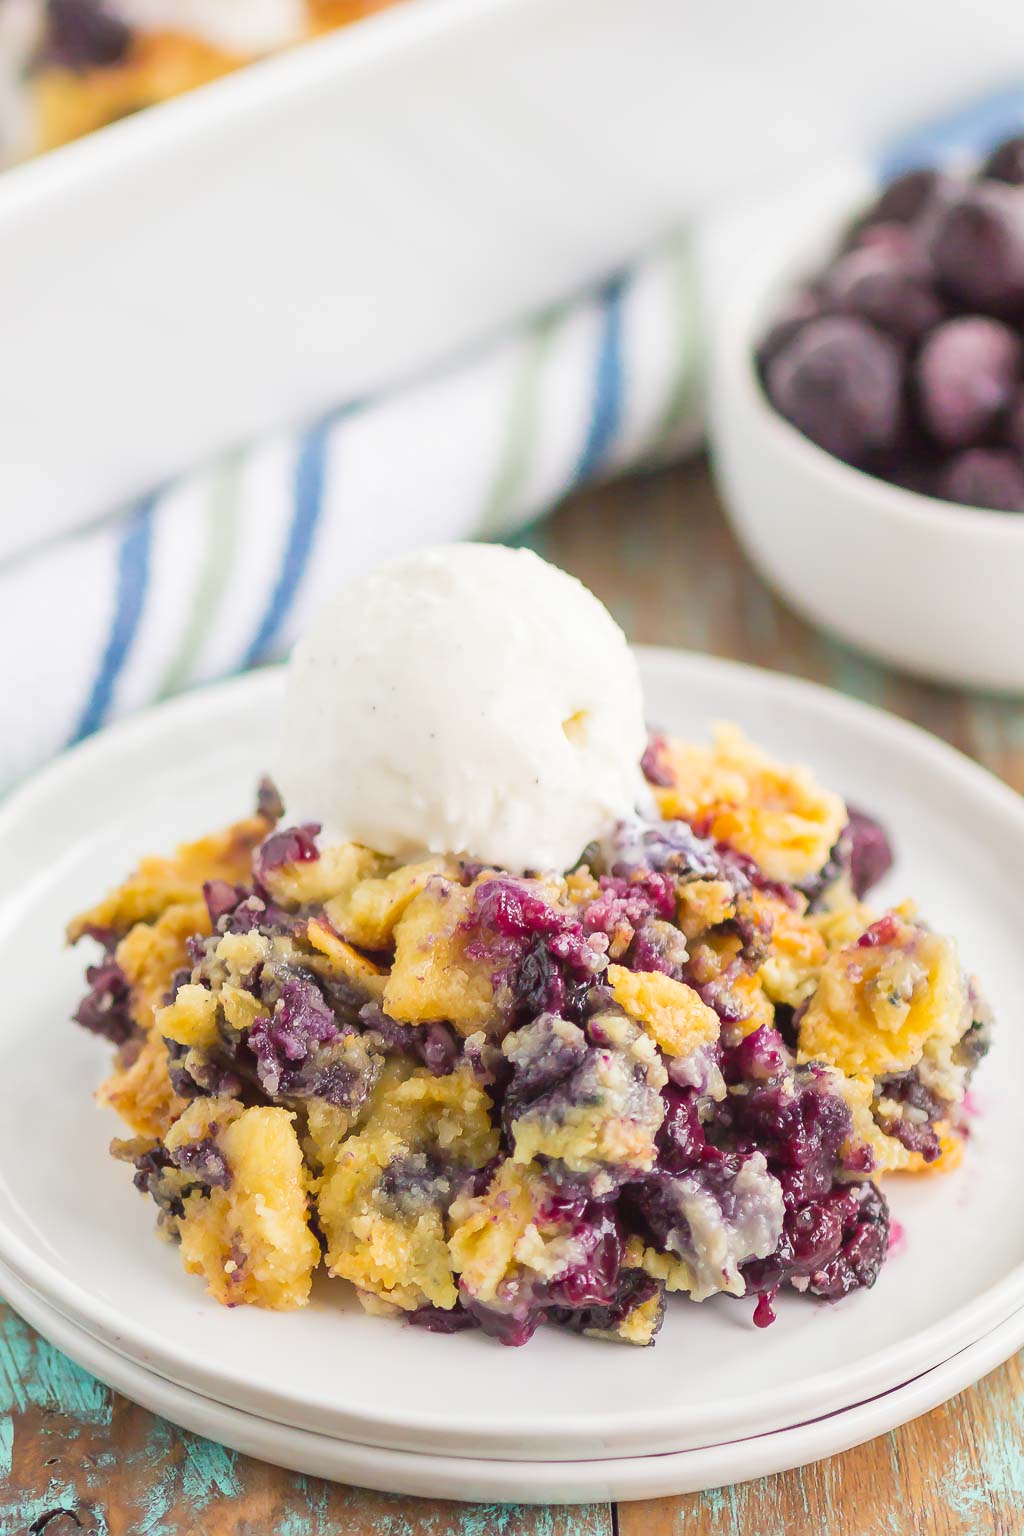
(922, 584)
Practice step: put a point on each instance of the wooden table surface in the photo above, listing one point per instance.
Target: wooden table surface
(75, 1456)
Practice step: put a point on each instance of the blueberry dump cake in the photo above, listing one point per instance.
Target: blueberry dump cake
(490, 1096)
(68, 67)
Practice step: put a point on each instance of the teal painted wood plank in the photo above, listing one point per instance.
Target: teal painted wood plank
(75, 1456)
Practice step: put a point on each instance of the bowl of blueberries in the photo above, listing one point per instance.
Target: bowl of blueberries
(867, 420)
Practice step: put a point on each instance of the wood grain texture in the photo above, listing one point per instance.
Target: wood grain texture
(76, 1457)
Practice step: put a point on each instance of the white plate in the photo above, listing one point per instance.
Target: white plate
(72, 1228)
(533, 1482)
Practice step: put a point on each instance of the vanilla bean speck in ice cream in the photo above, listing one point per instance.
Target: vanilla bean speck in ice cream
(469, 699)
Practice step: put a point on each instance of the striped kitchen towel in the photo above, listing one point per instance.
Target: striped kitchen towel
(219, 571)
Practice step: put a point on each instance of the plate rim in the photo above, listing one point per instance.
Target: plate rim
(102, 1322)
(646, 1476)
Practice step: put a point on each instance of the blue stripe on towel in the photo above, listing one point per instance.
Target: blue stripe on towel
(309, 495)
(606, 407)
(972, 130)
(133, 557)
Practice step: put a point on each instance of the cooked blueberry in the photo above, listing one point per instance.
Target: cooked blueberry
(870, 852)
(156, 1176)
(106, 1008)
(417, 1182)
(863, 854)
(907, 1110)
(590, 1280)
(301, 1020)
(438, 1320)
(975, 1045)
(624, 1316)
(760, 1056)
(204, 1161)
(538, 983)
(292, 845)
(508, 918)
(222, 898)
(436, 1045)
(815, 1232)
(682, 1141)
(865, 1243)
(715, 1217)
(543, 1055)
(671, 847)
(513, 1325)
(832, 1245)
(83, 34)
(268, 800)
(656, 769)
(799, 1123)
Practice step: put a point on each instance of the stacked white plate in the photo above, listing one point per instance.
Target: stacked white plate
(332, 1391)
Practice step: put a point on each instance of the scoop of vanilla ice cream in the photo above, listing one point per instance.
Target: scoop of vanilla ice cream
(469, 699)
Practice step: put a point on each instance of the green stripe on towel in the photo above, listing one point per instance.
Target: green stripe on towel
(222, 515)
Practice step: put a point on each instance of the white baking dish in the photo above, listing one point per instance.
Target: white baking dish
(318, 225)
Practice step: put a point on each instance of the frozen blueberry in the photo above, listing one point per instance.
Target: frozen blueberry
(1014, 426)
(912, 473)
(977, 246)
(966, 375)
(985, 477)
(904, 241)
(902, 201)
(839, 382)
(892, 290)
(1006, 163)
(806, 304)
